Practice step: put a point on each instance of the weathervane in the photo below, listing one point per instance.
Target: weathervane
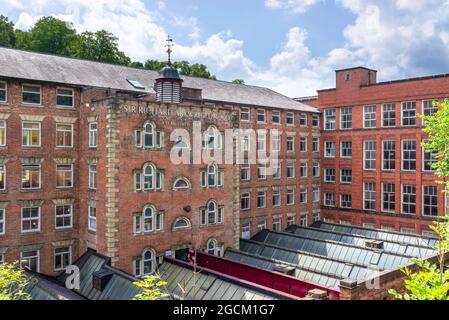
(169, 47)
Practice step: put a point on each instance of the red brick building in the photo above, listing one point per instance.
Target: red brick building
(375, 172)
(86, 162)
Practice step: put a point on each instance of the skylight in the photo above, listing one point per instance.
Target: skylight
(136, 84)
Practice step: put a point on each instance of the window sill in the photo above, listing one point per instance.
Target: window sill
(31, 105)
(64, 147)
(30, 190)
(24, 234)
(32, 147)
(65, 107)
(64, 229)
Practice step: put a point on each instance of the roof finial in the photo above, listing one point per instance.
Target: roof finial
(169, 47)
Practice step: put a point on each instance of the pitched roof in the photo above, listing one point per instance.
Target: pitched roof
(76, 72)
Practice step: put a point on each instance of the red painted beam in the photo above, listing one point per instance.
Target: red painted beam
(267, 278)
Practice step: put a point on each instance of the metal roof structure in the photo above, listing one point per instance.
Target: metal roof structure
(31, 66)
(208, 286)
(325, 254)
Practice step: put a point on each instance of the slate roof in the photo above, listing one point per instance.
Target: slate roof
(325, 253)
(76, 72)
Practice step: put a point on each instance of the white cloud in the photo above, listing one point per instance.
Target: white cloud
(296, 6)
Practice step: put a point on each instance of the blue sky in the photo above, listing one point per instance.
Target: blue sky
(291, 46)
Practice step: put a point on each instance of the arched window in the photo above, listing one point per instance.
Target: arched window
(211, 175)
(182, 223)
(181, 184)
(151, 177)
(145, 264)
(213, 248)
(148, 135)
(148, 216)
(181, 144)
(212, 214)
(212, 139)
(148, 177)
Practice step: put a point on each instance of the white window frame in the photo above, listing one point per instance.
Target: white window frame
(341, 149)
(90, 218)
(370, 159)
(40, 94)
(316, 142)
(325, 150)
(316, 195)
(3, 171)
(328, 175)
(247, 197)
(290, 144)
(341, 201)
(40, 134)
(424, 161)
(430, 205)
(259, 113)
(291, 168)
(93, 135)
(383, 114)
(402, 154)
(40, 177)
(276, 114)
(303, 144)
(406, 104)
(245, 111)
(278, 196)
(426, 107)
(93, 178)
(366, 112)
(261, 196)
(65, 131)
(64, 216)
(69, 252)
(6, 92)
(326, 198)
(317, 170)
(365, 198)
(304, 170)
(290, 115)
(383, 154)
(65, 95)
(38, 218)
(346, 118)
(326, 119)
(303, 121)
(247, 169)
(71, 176)
(341, 176)
(3, 127)
(3, 221)
(291, 193)
(37, 256)
(395, 198)
(409, 203)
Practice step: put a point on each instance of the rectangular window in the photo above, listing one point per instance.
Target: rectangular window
(330, 147)
(30, 260)
(291, 171)
(370, 155)
(316, 121)
(316, 145)
(329, 175)
(2, 133)
(290, 221)
(290, 118)
(262, 172)
(303, 221)
(31, 94)
(3, 92)
(245, 202)
(31, 134)
(388, 115)
(388, 197)
(428, 109)
(246, 231)
(409, 155)
(346, 201)
(276, 117)
(92, 217)
(303, 196)
(64, 98)
(303, 144)
(31, 177)
(277, 171)
(346, 118)
(245, 114)
(64, 135)
(316, 170)
(429, 159)
(261, 116)
(369, 117)
(304, 170)
(389, 155)
(245, 172)
(261, 200)
(261, 225)
(276, 143)
(329, 199)
(346, 176)
(303, 120)
(330, 116)
(430, 201)
(369, 196)
(277, 224)
(346, 149)
(409, 114)
(2, 178)
(93, 176)
(291, 197)
(276, 198)
(63, 258)
(2, 222)
(31, 220)
(64, 176)
(261, 142)
(316, 195)
(63, 217)
(92, 135)
(290, 144)
(409, 199)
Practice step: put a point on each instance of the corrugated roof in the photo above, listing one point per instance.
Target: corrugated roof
(50, 68)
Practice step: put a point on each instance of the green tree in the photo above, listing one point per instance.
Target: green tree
(7, 35)
(100, 46)
(184, 67)
(49, 35)
(238, 81)
(431, 281)
(152, 289)
(12, 283)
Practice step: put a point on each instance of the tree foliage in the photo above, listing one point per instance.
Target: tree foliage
(152, 287)
(238, 81)
(184, 67)
(12, 283)
(7, 35)
(431, 281)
